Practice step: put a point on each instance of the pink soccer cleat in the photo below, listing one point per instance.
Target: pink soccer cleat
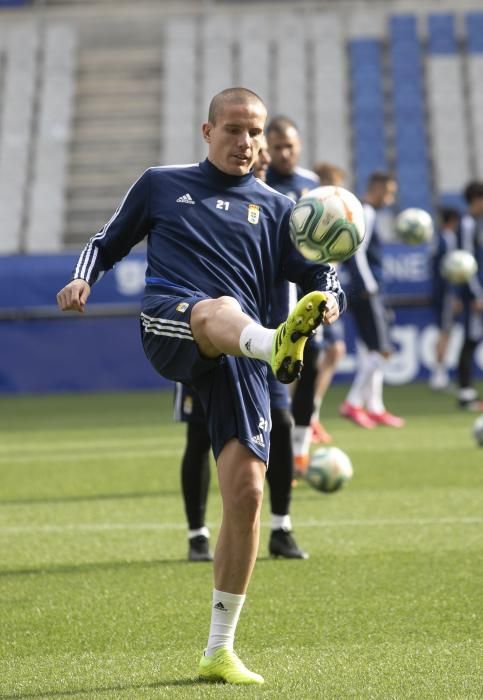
(386, 418)
(357, 415)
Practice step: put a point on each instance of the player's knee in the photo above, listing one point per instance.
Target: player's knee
(249, 502)
(246, 500)
(207, 312)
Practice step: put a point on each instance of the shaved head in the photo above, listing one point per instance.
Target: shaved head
(232, 96)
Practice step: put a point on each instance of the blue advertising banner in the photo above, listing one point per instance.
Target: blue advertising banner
(43, 350)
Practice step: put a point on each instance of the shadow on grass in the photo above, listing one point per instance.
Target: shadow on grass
(95, 566)
(103, 689)
(93, 497)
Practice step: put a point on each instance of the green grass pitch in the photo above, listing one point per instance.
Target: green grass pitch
(97, 599)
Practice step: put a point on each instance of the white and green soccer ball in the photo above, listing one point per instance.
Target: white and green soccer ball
(329, 469)
(458, 266)
(478, 430)
(414, 226)
(327, 224)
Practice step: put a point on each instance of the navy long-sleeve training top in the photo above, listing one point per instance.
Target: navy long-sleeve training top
(207, 232)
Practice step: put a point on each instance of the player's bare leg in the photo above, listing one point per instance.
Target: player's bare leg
(241, 476)
(220, 326)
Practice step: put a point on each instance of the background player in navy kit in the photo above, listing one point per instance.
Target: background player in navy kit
(442, 294)
(218, 240)
(364, 404)
(319, 370)
(470, 238)
(285, 175)
(195, 463)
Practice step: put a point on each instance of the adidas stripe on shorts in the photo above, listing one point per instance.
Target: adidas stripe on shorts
(233, 390)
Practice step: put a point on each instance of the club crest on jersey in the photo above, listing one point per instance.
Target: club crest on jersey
(253, 213)
(182, 307)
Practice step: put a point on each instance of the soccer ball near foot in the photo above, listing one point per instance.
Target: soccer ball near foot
(329, 469)
(327, 224)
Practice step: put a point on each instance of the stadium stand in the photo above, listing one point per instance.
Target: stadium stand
(254, 54)
(411, 142)
(290, 75)
(179, 136)
(446, 108)
(46, 221)
(330, 117)
(369, 144)
(86, 109)
(217, 70)
(16, 119)
(474, 29)
(116, 133)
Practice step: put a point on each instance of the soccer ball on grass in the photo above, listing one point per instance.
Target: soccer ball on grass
(478, 430)
(458, 266)
(329, 469)
(414, 226)
(327, 224)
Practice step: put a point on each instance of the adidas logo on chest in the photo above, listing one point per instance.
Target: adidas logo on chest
(186, 199)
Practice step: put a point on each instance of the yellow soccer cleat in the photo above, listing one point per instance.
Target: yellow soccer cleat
(225, 666)
(292, 334)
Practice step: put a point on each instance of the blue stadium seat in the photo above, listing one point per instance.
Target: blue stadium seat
(402, 27)
(365, 57)
(453, 200)
(474, 32)
(441, 34)
(410, 137)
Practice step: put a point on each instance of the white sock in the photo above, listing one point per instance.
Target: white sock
(301, 439)
(257, 341)
(200, 531)
(317, 407)
(374, 387)
(362, 379)
(225, 612)
(280, 522)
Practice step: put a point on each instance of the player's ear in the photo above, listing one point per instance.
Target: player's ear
(206, 131)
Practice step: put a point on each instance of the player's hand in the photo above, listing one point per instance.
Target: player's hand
(73, 296)
(331, 312)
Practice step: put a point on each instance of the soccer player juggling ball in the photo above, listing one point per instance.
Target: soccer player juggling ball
(218, 241)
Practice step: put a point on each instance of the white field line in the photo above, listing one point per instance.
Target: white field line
(103, 527)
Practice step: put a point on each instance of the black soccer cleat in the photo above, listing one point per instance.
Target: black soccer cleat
(282, 544)
(199, 549)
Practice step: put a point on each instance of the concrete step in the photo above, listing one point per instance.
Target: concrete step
(109, 58)
(111, 167)
(95, 181)
(81, 152)
(131, 131)
(121, 88)
(118, 107)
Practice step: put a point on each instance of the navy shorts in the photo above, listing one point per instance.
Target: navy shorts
(372, 322)
(188, 407)
(233, 391)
